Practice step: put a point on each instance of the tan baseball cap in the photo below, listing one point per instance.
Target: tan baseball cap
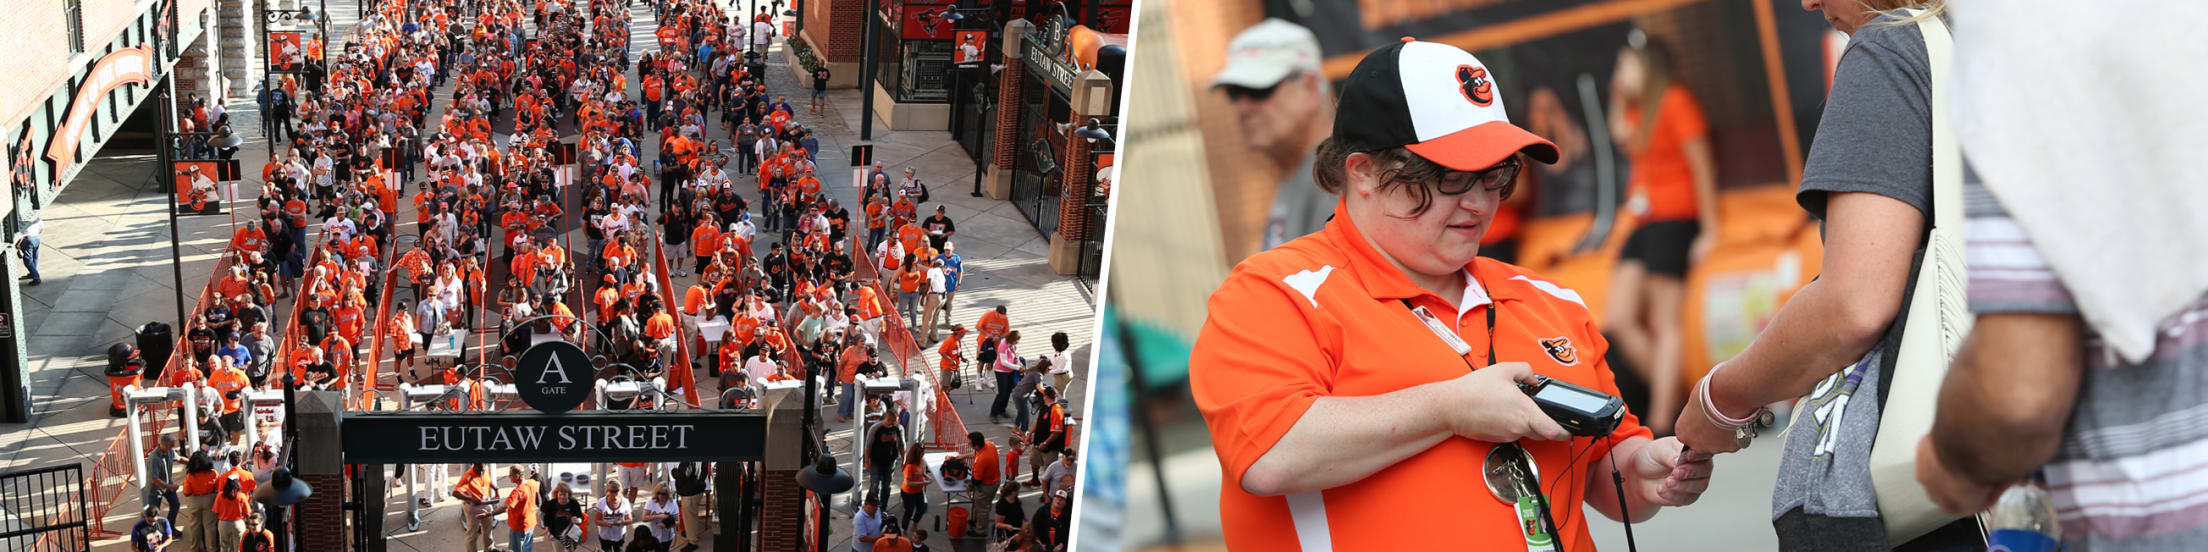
(1267, 53)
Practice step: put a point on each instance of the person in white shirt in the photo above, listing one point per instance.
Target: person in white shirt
(660, 514)
(612, 515)
(1061, 361)
(938, 281)
(762, 33)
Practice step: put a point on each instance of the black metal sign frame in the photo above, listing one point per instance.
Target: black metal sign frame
(596, 436)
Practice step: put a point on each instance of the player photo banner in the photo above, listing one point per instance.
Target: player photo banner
(969, 47)
(197, 192)
(285, 52)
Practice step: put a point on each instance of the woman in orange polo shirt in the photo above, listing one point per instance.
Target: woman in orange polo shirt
(914, 491)
(1674, 185)
(1332, 404)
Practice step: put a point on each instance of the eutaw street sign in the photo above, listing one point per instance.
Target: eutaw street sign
(596, 436)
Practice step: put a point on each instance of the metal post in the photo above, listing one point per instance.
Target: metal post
(191, 416)
(291, 456)
(137, 444)
(866, 70)
(166, 110)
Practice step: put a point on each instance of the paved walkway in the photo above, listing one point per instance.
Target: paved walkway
(106, 273)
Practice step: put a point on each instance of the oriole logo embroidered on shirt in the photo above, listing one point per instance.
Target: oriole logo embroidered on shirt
(1560, 348)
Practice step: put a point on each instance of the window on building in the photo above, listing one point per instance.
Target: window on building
(73, 19)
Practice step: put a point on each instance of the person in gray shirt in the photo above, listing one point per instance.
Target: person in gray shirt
(262, 349)
(1869, 180)
(1285, 108)
(160, 475)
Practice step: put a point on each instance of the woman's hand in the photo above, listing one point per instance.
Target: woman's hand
(1703, 243)
(1670, 474)
(1493, 409)
(1695, 429)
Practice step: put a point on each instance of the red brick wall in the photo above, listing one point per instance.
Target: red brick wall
(835, 27)
(782, 511)
(1073, 212)
(1008, 112)
(322, 516)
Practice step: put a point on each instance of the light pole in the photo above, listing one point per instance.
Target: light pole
(866, 72)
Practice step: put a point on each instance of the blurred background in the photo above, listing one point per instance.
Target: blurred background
(1200, 193)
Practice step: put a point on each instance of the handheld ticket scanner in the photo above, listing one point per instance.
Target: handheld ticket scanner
(869, 388)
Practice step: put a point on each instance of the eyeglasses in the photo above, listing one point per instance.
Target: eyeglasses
(1495, 178)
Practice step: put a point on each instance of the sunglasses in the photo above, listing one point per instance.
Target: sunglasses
(1238, 93)
(1495, 178)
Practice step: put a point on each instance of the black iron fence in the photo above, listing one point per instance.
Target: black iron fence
(43, 510)
(1092, 246)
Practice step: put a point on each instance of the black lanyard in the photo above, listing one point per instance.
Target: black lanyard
(1542, 501)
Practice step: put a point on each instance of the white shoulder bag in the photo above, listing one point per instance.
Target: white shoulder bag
(1937, 321)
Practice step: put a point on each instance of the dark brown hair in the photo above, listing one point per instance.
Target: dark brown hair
(1399, 167)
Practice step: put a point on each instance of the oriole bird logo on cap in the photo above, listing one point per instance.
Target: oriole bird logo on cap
(1560, 348)
(1477, 88)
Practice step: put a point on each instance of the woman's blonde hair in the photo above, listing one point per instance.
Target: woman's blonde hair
(1932, 8)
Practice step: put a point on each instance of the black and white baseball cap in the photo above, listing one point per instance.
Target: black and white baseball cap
(1438, 101)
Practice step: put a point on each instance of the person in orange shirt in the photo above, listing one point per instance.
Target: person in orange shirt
(239, 473)
(402, 336)
(951, 357)
(660, 328)
(250, 238)
(237, 283)
(1675, 200)
(704, 240)
(910, 236)
(870, 311)
(912, 283)
(1378, 361)
(230, 383)
(481, 497)
(914, 489)
(847, 375)
(520, 507)
(988, 474)
(877, 218)
(608, 294)
(232, 504)
(992, 326)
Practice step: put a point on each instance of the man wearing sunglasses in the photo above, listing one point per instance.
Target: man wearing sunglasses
(1285, 107)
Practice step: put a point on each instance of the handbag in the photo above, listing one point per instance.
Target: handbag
(1937, 319)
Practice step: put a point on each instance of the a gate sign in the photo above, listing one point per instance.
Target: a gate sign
(599, 436)
(554, 376)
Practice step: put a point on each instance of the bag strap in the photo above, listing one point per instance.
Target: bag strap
(1947, 157)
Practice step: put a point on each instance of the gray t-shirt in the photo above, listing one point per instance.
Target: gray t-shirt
(1875, 137)
(1299, 206)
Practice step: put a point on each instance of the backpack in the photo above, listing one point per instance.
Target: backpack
(988, 355)
(954, 469)
(690, 478)
(923, 190)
